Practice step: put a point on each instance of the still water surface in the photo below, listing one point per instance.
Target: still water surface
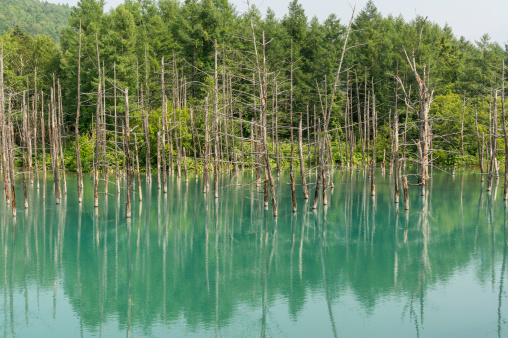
(190, 265)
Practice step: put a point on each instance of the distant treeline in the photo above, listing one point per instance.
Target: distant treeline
(34, 17)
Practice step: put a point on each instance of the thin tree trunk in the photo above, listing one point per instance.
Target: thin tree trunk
(137, 166)
(503, 110)
(11, 157)
(302, 163)
(59, 131)
(462, 124)
(396, 145)
(374, 122)
(117, 168)
(216, 127)
(35, 100)
(3, 131)
(145, 103)
(291, 171)
(128, 155)
(24, 145)
(76, 126)
(207, 147)
(164, 121)
(480, 146)
(43, 132)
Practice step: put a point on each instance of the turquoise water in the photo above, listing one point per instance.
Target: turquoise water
(190, 265)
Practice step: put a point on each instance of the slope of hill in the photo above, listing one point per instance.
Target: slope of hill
(33, 17)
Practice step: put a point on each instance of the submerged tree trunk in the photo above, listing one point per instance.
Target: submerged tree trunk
(127, 156)
(480, 146)
(374, 132)
(76, 126)
(302, 163)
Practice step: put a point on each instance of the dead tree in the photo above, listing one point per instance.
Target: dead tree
(503, 111)
(137, 167)
(24, 145)
(396, 145)
(76, 126)
(493, 144)
(164, 121)
(327, 114)
(291, 166)
(128, 156)
(117, 169)
(480, 147)
(59, 139)
(263, 93)
(302, 163)
(146, 110)
(3, 130)
(43, 134)
(422, 108)
(374, 132)
(10, 142)
(215, 127)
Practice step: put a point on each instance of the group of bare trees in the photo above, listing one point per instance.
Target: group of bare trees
(240, 98)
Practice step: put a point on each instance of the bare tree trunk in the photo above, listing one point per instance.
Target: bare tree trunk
(406, 195)
(137, 166)
(216, 127)
(24, 143)
(3, 131)
(194, 143)
(146, 106)
(493, 145)
(503, 110)
(319, 167)
(302, 163)
(206, 150)
(396, 145)
(159, 157)
(97, 131)
(127, 155)
(117, 168)
(462, 124)
(35, 99)
(11, 157)
(76, 126)
(291, 171)
(103, 134)
(360, 128)
(28, 135)
(59, 139)
(404, 141)
(43, 132)
(164, 121)
(480, 147)
(374, 127)
(185, 165)
(176, 103)
(54, 146)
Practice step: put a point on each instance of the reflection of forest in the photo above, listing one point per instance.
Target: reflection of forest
(184, 255)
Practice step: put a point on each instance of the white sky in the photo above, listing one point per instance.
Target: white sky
(467, 18)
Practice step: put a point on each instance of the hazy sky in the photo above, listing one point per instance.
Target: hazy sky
(467, 18)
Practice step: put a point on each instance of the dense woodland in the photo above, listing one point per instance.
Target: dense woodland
(199, 86)
(34, 17)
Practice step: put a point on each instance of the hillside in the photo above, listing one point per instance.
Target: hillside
(34, 17)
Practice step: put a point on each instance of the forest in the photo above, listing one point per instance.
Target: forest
(199, 86)
(34, 17)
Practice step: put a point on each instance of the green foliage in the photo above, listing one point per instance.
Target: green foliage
(33, 17)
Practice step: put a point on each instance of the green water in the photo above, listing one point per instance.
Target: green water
(190, 265)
